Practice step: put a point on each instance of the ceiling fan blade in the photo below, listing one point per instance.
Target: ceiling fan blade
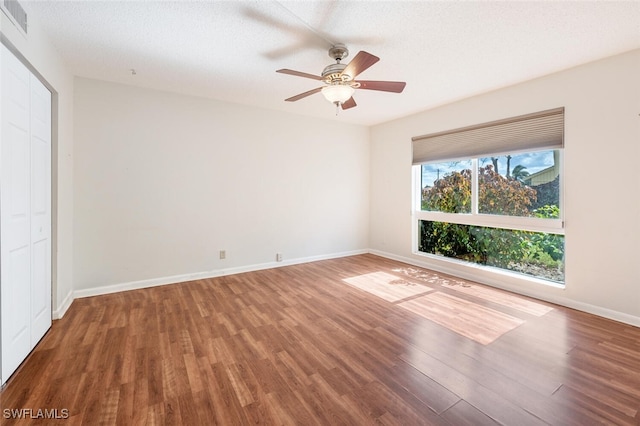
(385, 86)
(301, 43)
(299, 74)
(361, 62)
(349, 104)
(272, 22)
(303, 95)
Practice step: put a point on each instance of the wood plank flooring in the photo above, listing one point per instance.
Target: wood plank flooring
(318, 344)
(477, 322)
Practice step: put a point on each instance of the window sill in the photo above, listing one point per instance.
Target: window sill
(469, 270)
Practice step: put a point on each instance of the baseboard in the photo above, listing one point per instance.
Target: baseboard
(154, 282)
(63, 307)
(558, 300)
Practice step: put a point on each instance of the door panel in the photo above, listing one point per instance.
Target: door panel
(18, 157)
(40, 291)
(40, 210)
(17, 329)
(15, 268)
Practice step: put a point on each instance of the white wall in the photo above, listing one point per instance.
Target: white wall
(44, 59)
(602, 183)
(162, 182)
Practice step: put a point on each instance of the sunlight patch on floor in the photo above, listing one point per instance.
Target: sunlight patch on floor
(479, 323)
(424, 275)
(500, 298)
(386, 286)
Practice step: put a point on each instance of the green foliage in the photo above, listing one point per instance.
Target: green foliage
(535, 253)
(550, 244)
(497, 194)
(450, 240)
(500, 246)
(547, 211)
(450, 194)
(520, 173)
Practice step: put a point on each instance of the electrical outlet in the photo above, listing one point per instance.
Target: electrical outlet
(223, 254)
(279, 257)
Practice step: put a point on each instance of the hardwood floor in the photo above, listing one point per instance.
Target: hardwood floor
(329, 343)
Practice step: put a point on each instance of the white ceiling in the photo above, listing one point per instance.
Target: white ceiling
(229, 50)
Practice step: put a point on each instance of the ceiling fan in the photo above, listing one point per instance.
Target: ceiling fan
(339, 79)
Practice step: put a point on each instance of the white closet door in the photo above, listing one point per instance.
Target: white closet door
(25, 217)
(15, 207)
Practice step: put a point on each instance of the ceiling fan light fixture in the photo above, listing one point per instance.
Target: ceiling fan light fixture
(339, 93)
(339, 79)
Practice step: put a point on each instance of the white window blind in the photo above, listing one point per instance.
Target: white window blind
(541, 130)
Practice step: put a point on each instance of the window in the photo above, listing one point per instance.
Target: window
(496, 207)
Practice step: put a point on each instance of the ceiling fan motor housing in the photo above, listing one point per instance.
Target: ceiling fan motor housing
(338, 52)
(333, 74)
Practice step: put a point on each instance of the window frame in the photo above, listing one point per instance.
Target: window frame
(518, 223)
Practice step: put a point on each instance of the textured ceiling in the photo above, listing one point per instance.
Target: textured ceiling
(229, 50)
